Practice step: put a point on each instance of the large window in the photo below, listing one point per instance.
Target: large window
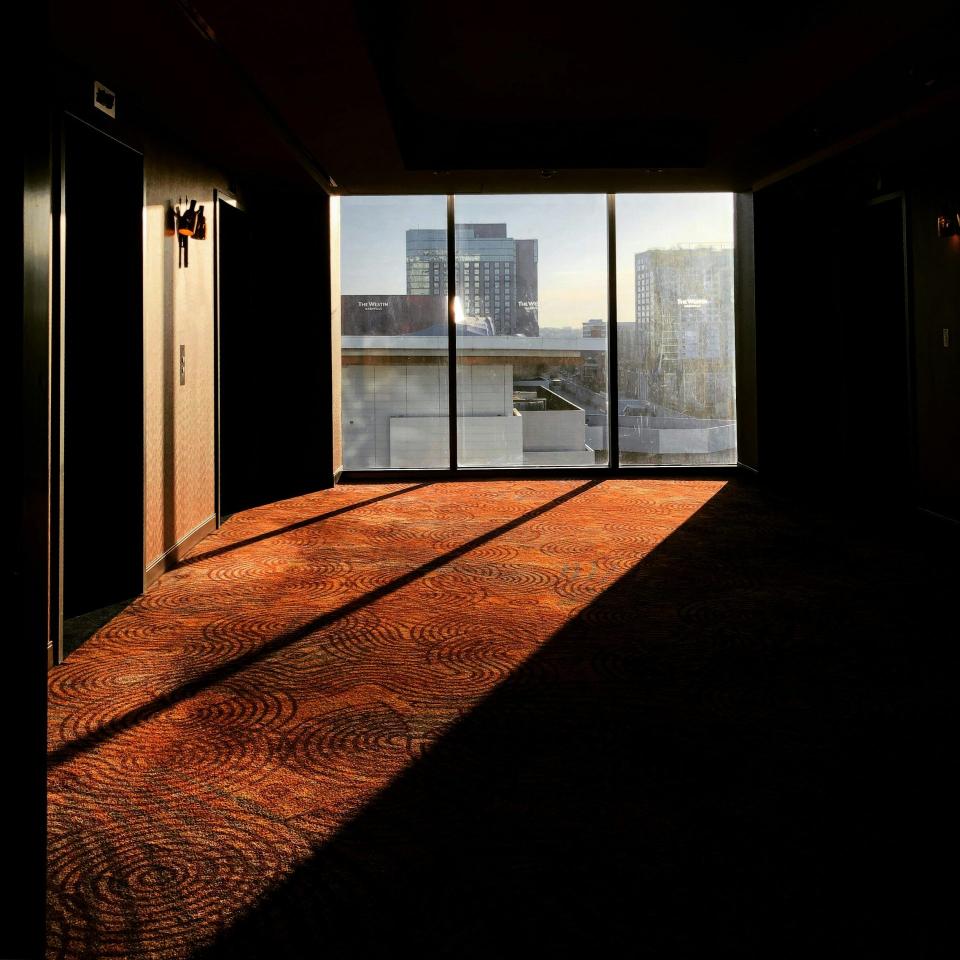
(531, 312)
(530, 339)
(393, 326)
(675, 329)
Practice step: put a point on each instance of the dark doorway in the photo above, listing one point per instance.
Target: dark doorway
(240, 361)
(102, 408)
(877, 356)
(273, 349)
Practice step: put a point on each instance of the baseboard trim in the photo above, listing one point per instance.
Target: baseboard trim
(170, 558)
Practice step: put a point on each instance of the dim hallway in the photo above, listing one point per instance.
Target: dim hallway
(468, 718)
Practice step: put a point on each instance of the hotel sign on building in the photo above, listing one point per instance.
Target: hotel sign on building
(392, 315)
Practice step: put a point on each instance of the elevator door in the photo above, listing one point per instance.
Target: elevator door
(877, 356)
(102, 408)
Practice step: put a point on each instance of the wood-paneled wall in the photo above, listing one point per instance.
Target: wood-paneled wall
(178, 309)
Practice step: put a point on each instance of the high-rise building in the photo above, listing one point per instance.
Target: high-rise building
(496, 275)
(684, 329)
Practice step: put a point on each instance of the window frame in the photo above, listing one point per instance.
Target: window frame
(613, 466)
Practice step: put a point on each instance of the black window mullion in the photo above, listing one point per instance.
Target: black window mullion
(452, 330)
(613, 392)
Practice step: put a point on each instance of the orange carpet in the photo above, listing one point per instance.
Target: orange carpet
(459, 717)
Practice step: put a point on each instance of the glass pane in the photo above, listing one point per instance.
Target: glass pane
(675, 335)
(531, 312)
(393, 310)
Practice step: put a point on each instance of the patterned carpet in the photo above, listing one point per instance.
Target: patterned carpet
(494, 717)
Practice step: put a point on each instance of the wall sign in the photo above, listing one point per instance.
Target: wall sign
(104, 100)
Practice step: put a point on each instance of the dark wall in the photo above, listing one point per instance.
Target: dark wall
(26, 569)
(275, 380)
(936, 305)
(746, 334)
(858, 399)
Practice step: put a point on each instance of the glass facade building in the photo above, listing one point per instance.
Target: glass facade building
(496, 274)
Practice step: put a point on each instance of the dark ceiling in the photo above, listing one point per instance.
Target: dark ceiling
(435, 97)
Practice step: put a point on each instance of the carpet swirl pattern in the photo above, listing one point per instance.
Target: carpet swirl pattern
(233, 718)
(506, 717)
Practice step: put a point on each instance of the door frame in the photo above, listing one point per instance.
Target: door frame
(909, 341)
(58, 309)
(231, 200)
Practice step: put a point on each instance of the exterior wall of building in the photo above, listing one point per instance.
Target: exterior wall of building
(415, 441)
(426, 262)
(595, 328)
(685, 329)
(677, 439)
(395, 416)
(705, 440)
(481, 441)
(377, 396)
(484, 389)
(553, 430)
(559, 458)
(373, 394)
(528, 288)
(595, 436)
(490, 441)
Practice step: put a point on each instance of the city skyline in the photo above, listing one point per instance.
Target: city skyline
(570, 228)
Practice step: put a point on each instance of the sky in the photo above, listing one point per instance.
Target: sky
(571, 230)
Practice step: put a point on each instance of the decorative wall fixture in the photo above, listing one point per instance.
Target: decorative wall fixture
(948, 221)
(188, 223)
